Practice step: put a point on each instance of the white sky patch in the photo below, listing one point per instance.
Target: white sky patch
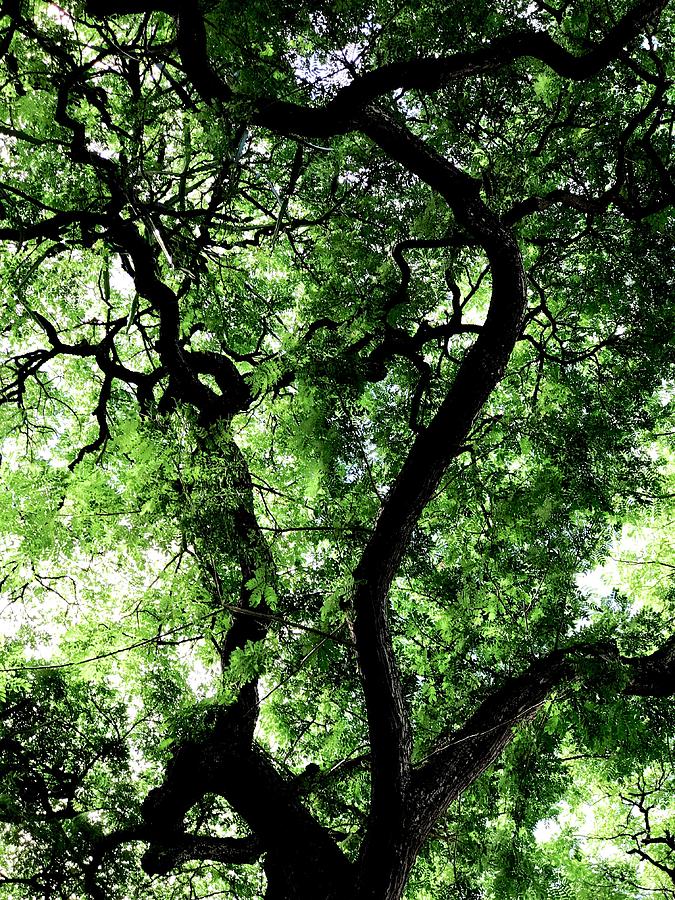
(533, 17)
(60, 16)
(584, 822)
(327, 71)
(200, 677)
(101, 150)
(594, 583)
(547, 830)
(59, 598)
(639, 564)
(666, 393)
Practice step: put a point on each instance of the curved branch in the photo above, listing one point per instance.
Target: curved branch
(101, 413)
(430, 73)
(460, 757)
(228, 765)
(159, 859)
(652, 676)
(423, 73)
(418, 479)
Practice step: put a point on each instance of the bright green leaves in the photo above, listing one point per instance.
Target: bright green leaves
(261, 589)
(246, 664)
(35, 111)
(545, 88)
(168, 537)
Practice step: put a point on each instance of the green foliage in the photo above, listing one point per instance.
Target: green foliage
(65, 777)
(138, 532)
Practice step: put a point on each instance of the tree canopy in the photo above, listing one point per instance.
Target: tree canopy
(336, 392)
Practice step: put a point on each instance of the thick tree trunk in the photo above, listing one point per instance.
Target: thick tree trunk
(305, 878)
(386, 864)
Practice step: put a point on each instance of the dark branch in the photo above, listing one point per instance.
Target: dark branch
(162, 858)
(430, 73)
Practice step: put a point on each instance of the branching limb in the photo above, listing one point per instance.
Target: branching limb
(430, 73)
(162, 858)
(423, 73)
(101, 413)
(461, 756)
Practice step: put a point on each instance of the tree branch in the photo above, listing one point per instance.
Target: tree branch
(159, 859)
(423, 73)
(460, 757)
(430, 73)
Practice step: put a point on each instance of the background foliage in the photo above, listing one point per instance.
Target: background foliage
(160, 486)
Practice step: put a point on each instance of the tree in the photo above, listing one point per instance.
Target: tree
(336, 344)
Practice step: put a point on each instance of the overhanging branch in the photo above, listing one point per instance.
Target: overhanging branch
(160, 859)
